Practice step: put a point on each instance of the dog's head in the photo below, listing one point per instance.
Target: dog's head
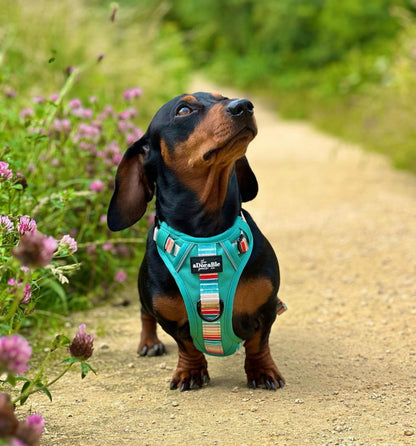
(197, 137)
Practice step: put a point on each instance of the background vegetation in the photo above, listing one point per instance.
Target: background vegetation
(349, 66)
(79, 82)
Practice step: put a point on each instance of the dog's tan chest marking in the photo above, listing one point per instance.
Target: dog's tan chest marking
(251, 295)
(171, 308)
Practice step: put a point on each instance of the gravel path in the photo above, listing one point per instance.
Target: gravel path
(343, 223)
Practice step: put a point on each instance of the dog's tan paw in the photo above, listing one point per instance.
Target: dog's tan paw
(262, 372)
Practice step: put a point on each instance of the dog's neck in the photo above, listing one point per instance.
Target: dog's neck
(210, 211)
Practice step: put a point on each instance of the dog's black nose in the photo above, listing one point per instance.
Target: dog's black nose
(240, 107)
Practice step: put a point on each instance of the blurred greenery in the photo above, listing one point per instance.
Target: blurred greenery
(349, 66)
(40, 40)
(91, 53)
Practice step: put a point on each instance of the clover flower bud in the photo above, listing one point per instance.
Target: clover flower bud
(68, 243)
(26, 224)
(82, 345)
(35, 249)
(5, 224)
(15, 353)
(5, 172)
(8, 421)
(30, 430)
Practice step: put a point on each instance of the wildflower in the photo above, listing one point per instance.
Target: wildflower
(54, 97)
(130, 113)
(91, 250)
(123, 251)
(89, 132)
(10, 92)
(134, 136)
(61, 126)
(83, 113)
(27, 295)
(75, 103)
(20, 179)
(5, 172)
(68, 243)
(132, 93)
(35, 249)
(116, 159)
(151, 218)
(15, 353)
(30, 430)
(113, 147)
(93, 99)
(97, 186)
(120, 276)
(8, 421)
(26, 113)
(26, 224)
(82, 345)
(38, 99)
(12, 282)
(108, 246)
(5, 224)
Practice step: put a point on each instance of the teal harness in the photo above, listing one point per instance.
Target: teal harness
(207, 271)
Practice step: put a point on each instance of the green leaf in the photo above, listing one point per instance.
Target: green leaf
(47, 393)
(92, 370)
(59, 341)
(11, 379)
(58, 289)
(71, 360)
(25, 386)
(21, 378)
(84, 369)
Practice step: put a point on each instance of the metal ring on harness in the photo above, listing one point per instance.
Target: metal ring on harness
(198, 307)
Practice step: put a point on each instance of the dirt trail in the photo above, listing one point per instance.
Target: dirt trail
(344, 226)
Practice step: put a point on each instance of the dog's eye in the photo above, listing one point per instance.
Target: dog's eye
(183, 110)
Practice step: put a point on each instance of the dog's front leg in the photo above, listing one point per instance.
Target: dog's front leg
(192, 369)
(259, 365)
(150, 344)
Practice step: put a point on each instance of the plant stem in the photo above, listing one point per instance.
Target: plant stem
(29, 392)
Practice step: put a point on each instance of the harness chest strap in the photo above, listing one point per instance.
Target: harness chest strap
(207, 271)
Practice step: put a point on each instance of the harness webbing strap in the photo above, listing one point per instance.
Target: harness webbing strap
(210, 304)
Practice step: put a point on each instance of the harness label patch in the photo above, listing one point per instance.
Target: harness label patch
(206, 264)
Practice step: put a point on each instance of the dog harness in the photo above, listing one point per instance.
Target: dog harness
(207, 271)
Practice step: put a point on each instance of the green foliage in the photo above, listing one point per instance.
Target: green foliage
(40, 41)
(62, 157)
(323, 60)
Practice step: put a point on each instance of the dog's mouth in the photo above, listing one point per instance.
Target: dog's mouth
(247, 133)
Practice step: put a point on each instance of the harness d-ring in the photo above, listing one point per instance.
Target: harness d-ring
(205, 318)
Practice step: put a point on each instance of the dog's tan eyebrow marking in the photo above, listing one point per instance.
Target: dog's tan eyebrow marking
(189, 98)
(217, 96)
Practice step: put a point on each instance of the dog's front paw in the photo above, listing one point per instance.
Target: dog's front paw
(151, 347)
(262, 372)
(191, 373)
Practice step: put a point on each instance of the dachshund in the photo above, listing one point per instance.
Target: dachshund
(192, 157)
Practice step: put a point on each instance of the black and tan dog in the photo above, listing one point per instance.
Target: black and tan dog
(193, 158)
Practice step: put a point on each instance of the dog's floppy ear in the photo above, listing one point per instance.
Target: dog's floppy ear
(247, 181)
(132, 189)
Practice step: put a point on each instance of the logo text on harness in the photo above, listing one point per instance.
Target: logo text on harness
(206, 264)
